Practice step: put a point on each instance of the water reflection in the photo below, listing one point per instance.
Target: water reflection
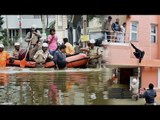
(53, 88)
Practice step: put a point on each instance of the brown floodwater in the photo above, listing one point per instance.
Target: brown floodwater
(53, 87)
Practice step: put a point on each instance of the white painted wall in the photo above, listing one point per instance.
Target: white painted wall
(26, 23)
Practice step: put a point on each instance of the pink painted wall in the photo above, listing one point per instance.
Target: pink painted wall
(144, 29)
(149, 75)
(123, 55)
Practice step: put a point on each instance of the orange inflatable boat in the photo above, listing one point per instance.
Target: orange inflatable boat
(17, 63)
(75, 61)
(79, 60)
(30, 64)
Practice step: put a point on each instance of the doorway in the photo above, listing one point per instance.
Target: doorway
(125, 74)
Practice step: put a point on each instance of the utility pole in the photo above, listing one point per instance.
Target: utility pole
(84, 28)
(20, 27)
(7, 27)
(43, 27)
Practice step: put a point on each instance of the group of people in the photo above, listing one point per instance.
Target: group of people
(113, 31)
(148, 94)
(97, 55)
(40, 51)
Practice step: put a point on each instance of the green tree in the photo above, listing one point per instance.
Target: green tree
(1, 29)
(3, 33)
(45, 26)
(51, 26)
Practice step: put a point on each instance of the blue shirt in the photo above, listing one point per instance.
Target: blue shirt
(149, 95)
(59, 57)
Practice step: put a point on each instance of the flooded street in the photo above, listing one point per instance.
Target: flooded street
(50, 87)
(37, 86)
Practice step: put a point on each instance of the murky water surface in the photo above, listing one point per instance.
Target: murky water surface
(52, 87)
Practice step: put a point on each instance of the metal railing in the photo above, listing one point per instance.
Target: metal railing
(113, 37)
(117, 37)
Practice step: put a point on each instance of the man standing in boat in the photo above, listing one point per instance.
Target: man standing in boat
(104, 53)
(52, 41)
(42, 55)
(34, 37)
(93, 53)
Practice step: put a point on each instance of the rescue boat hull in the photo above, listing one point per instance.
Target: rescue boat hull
(75, 61)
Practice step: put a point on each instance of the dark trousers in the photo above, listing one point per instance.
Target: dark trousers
(61, 64)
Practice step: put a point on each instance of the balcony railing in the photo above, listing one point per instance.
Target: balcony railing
(113, 37)
(117, 37)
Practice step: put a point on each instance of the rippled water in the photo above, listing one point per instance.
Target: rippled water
(50, 87)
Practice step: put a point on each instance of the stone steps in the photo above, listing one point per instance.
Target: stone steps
(119, 93)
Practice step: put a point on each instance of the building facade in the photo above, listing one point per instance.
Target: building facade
(143, 32)
(12, 23)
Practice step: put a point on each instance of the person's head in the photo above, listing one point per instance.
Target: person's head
(92, 42)
(151, 86)
(52, 31)
(65, 40)
(134, 81)
(1, 47)
(104, 44)
(17, 46)
(124, 24)
(62, 48)
(39, 43)
(44, 47)
(33, 27)
(109, 18)
(117, 20)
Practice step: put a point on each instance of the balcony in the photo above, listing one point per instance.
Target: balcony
(120, 53)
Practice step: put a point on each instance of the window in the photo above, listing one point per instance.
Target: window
(59, 23)
(153, 33)
(134, 31)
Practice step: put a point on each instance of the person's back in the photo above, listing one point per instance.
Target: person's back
(69, 48)
(60, 57)
(150, 95)
(134, 88)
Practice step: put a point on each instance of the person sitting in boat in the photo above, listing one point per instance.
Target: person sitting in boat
(93, 53)
(69, 48)
(77, 48)
(60, 57)
(18, 53)
(4, 56)
(42, 55)
(34, 37)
